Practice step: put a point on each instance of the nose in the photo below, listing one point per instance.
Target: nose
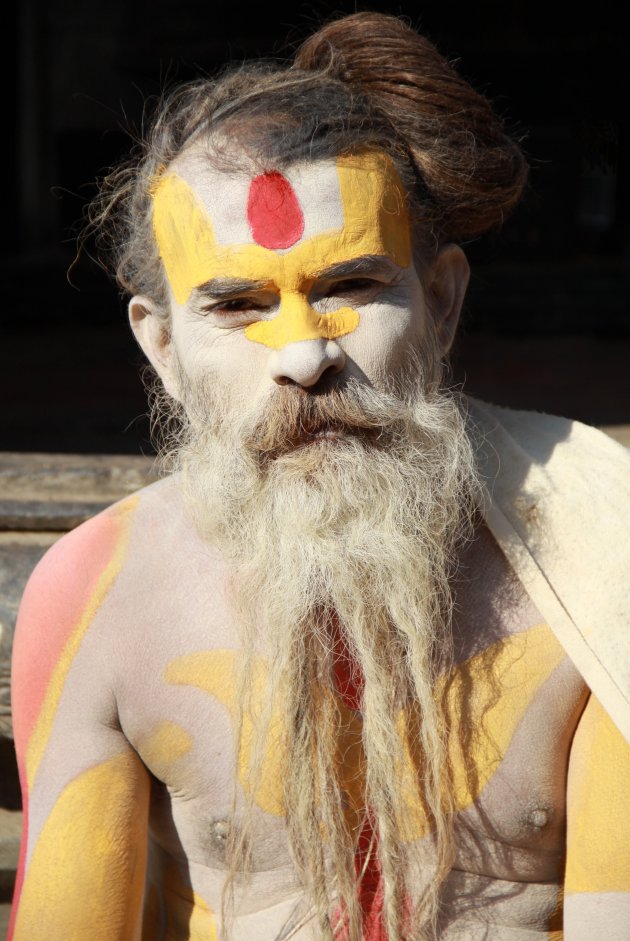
(305, 362)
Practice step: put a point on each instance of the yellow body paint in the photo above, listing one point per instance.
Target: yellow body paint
(376, 222)
(97, 832)
(164, 746)
(217, 672)
(598, 824)
(493, 690)
(185, 914)
(153, 914)
(175, 912)
(41, 732)
(485, 699)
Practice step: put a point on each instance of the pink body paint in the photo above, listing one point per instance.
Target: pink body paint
(46, 601)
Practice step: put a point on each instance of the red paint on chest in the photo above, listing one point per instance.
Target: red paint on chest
(274, 214)
(349, 683)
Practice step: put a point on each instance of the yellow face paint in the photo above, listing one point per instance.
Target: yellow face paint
(376, 223)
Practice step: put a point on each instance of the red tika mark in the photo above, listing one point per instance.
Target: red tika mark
(274, 214)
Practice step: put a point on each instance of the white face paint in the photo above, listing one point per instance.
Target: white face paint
(300, 274)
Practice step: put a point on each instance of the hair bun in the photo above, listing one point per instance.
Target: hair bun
(373, 50)
(469, 164)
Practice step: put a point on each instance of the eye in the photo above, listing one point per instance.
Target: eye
(352, 286)
(238, 304)
(237, 309)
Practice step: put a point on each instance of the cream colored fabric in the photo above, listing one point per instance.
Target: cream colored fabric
(558, 504)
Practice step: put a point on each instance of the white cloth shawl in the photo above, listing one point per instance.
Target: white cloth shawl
(557, 502)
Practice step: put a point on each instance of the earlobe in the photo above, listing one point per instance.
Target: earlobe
(447, 282)
(154, 340)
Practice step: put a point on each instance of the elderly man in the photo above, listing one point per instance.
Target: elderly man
(356, 669)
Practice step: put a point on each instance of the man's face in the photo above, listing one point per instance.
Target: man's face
(280, 278)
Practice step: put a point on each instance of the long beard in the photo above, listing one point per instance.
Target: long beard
(340, 513)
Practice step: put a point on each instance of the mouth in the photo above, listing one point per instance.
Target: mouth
(323, 435)
(305, 427)
(308, 437)
(328, 433)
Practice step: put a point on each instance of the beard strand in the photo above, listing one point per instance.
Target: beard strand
(340, 513)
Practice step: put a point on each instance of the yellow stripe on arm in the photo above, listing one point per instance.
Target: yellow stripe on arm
(85, 879)
(598, 807)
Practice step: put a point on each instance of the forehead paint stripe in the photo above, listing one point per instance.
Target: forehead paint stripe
(376, 217)
(184, 236)
(273, 212)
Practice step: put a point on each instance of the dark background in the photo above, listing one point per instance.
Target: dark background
(547, 319)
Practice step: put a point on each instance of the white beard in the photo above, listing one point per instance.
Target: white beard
(340, 513)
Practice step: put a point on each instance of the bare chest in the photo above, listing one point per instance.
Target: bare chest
(512, 708)
(512, 700)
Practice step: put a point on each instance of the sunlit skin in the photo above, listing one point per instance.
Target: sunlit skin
(126, 649)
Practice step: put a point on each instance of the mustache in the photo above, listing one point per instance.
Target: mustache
(295, 416)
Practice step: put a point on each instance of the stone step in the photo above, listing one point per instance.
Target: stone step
(10, 834)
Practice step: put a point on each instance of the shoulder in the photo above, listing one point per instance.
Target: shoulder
(78, 571)
(521, 450)
(80, 558)
(557, 500)
(563, 486)
(537, 432)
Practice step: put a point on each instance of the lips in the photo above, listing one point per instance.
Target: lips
(296, 419)
(320, 434)
(308, 436)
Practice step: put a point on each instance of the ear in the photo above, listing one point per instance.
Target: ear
(447, 280)
(154, 339)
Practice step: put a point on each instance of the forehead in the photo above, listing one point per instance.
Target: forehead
(274, 209)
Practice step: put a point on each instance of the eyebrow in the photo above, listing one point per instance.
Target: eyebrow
(224, 288)
(365, 264)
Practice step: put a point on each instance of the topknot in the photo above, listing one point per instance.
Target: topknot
(471, 167)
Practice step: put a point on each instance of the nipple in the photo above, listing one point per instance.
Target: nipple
(538, 818)
(219, 836)
(220, 830)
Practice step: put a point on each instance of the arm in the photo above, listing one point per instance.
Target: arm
(85, 791)
(597, 881)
